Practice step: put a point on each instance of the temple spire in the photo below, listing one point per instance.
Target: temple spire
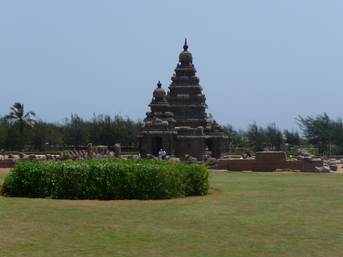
(185, 46)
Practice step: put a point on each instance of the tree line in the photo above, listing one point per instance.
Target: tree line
(323, 134)
(20, 131)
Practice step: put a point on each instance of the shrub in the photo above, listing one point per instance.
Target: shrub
(106, 179)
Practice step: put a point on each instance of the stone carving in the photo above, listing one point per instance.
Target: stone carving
(304, 154)
(212, 162)
(190, 159)
(172, 158)
(23, 157)
(326, 169)
(102, 149)
(32, 157)
(150, 156)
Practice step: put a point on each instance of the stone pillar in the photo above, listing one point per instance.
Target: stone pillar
(89, 150)
(117, 150)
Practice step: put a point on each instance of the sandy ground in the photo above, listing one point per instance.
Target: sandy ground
(4, 170)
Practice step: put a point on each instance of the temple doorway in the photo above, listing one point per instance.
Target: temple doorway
(208, 145)
(156, 145)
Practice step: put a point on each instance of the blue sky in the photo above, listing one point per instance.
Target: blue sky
(262, 61)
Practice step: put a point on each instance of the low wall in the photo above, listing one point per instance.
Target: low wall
(241, 164)
(236, 164)
(271, 158)
(223, 164)
(295, 165)
(7, 164)
(269, 161)
(309, 165)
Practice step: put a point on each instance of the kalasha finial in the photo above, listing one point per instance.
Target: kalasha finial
(159, 84)
(185, 46)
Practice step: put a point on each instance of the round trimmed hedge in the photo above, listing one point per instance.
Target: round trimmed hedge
(106, 179)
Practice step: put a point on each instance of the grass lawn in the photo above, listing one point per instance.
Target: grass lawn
(256, 214)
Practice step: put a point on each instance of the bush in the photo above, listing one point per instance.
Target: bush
(107, 179)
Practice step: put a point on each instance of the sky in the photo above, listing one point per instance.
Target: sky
(258, 61)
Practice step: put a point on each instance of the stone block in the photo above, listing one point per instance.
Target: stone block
(309, 166)
(271, 167)
(333, 167)
(326, 169)
(295, 165)
(241, 164)
(271, 158)
(223, 164)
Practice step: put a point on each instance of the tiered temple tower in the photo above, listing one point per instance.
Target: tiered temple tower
(178, 122)
(185, 96)
(159, 125)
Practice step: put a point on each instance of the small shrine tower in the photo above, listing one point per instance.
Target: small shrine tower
(177, 121)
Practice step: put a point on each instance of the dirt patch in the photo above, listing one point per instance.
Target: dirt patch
(213, 191)
(5, 169)
(339, 168)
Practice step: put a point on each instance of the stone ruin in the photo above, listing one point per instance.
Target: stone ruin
(99, 152)
(272, 161)
(263, 161)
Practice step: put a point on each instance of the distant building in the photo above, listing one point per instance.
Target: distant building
(177, 122)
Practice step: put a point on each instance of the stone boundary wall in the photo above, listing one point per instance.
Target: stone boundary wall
(236, 164)
(7, 163)
(241, 164)
(269, 161)
(310, 165)
(295, 165)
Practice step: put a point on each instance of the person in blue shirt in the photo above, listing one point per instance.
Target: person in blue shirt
(162, 154)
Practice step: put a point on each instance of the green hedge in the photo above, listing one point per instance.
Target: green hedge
(107, 179)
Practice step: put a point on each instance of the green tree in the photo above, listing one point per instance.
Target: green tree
(21, 120)
(3, 132)
(231, 133)
(44, 135)
(256, 136)
(274, 136)
(126, 130)
(213, 122)
(237, 140)
(318, 131)
(337, 134)
(291, 138)
(101, 130)
(75, 131)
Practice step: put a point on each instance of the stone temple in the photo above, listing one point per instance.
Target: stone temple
(177, 122)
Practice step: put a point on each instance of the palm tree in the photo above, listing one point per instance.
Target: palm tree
(20, 119)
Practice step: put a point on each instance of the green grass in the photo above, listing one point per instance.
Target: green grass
(256, 214)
